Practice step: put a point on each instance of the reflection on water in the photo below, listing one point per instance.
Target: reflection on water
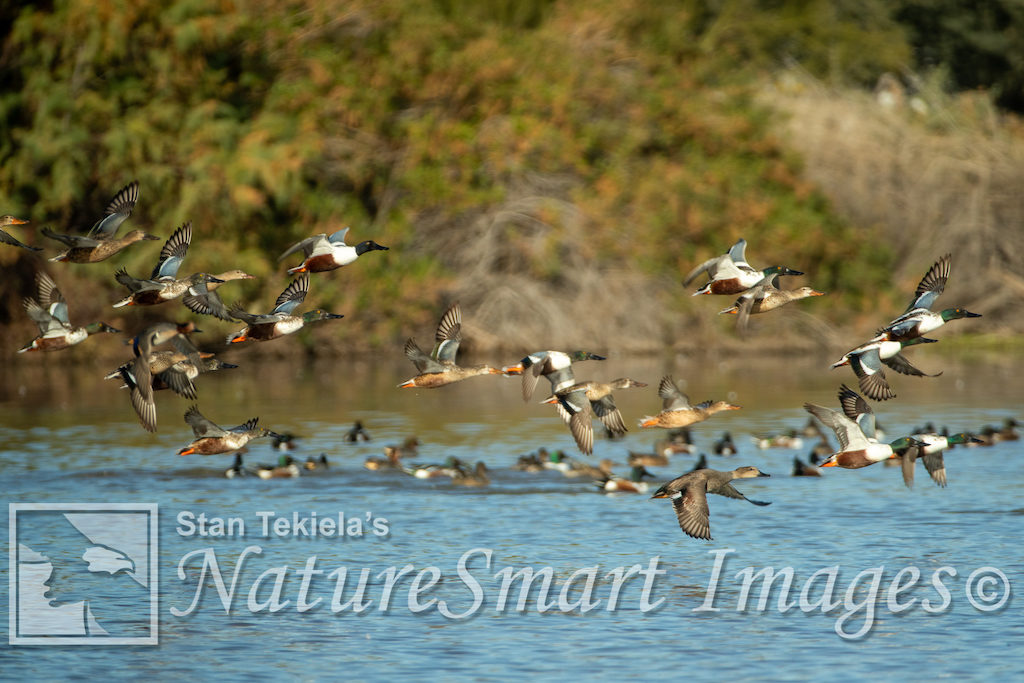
(67, 437)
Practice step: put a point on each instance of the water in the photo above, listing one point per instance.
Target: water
(68, 438)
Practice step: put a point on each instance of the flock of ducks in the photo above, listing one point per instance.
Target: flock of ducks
(164, 357)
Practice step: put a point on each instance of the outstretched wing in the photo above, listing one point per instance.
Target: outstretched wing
(931, 285)
(293, 295)
(117, 212)
(448, 335)
(671, 397)
(173, 253)
(200, 425)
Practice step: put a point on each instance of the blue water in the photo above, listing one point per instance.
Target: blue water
(68, 439)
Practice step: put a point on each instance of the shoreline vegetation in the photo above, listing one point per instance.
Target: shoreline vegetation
(555, 167)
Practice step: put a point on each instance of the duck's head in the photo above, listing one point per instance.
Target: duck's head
(138, 236)
(584, 355)
(963, 437)
(780, 270)
(806, 292)
(204, 278)
(94, 328)
(955, 313)
(11, 220)
(748, 472)
(369, 245)
(904, 443)
(236, 274)
(319, 314)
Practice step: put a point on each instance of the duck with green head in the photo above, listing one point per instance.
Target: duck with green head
(731, 274)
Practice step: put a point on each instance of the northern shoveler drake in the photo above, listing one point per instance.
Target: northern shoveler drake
(478, 477)
(918, 320)
(137, 374)
(763, 297)
(867, 359)
(99, 243)
(855, 429)
(633, 484)
(7, 221)
(556, 366)
(213, 440)
(50, 313)
(676, 410)
(725, 445)
(731, 274)
(209, 302)
(280, 321)
(357, 434)
(439, 368)
(577, 402)
(285, 469)
(163, 284)
(689, 495)
(802, 469)
(325, 252)
(930, 453)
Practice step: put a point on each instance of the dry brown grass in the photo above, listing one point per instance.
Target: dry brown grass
(946, 179)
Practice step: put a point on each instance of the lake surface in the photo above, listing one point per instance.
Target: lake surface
(677, 604)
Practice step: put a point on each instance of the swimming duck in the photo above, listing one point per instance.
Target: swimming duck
(556, 366)
(478, 477)
(658, 459)
(452, 467)
(325, 253)
(788, 440)
(318, 464)
(725, 445)
(857, 445)
(99, 243)
(393, 455)
(1009, 430)
(690, 500)
(439, 368)
(284, 442)
(50, 312)
(918, 320)
(676, 409)
(285, 469)
(633, 484)
(867, 359)
(7, 221)
(237, 469)
(577, 402)
(531, 462)
(763, 297)
(213, 440)
(357, 434)
(930, 454)
(802, 469)
(137, 374)
(731, 274)
(581, 469)
(208, 302)
(280, 321)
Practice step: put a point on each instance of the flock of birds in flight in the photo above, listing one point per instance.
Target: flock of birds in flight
(164, 357)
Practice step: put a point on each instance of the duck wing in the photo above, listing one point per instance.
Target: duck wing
(858, 410)
(71, 240)
(173, 253)
(424, 363)
(609, 415)
(908, 459)
(672, 397)
(44, 320)
(691, 506)
(867, 365)
(729, 491)
(448, 335)
(208, 303)
(139, 379)
(202, 427)
(177, 380)
(936, 466)
(117, 212)
(293, 295)
(308, 246)
(846, 430)
(931, 285)
(900, 364)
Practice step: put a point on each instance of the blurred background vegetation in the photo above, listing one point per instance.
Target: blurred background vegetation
(555, 166)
